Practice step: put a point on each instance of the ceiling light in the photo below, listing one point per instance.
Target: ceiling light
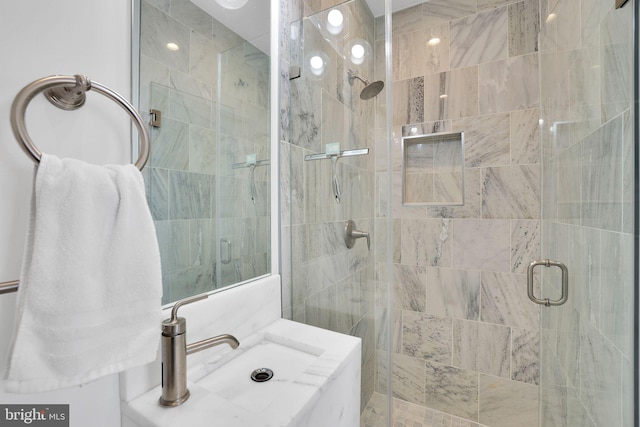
(172, 46)
(434, 41)
(444, 96)
(316, 65)
(551, 17)
(335, 18)
(335, 21)
(357, 50)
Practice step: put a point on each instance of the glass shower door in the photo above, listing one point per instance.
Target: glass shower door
(587, 123)
(335, 147)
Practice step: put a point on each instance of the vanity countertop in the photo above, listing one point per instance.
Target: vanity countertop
(320, 390)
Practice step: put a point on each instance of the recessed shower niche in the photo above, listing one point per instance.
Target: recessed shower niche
(433, 169)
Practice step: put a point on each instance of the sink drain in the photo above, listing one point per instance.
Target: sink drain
(261, 375)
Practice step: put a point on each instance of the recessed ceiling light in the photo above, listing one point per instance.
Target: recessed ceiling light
(335, 21)
(335, 18)
(434, 41)
(172, 46)
(357, 50)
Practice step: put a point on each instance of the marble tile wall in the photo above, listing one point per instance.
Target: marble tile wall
(586, 349)
(466, 335)
(468, 345)
(196, 197)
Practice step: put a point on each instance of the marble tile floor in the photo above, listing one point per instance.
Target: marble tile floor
(407, 414)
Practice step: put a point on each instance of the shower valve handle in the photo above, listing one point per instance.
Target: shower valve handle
(351, 234)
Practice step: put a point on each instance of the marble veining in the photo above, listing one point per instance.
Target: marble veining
(408, 104)
(158, 192)
(602, 157)
(192, 16)
(525, 358)
(426, 337)
(408, 374)
(406, 414)
(305, 127)
(584, 257)
(158, 29)
(453, 293)
(503, 301)
(522, 409)
(511, 192)
(472, 199)
(202, 149)
(482, 347)
(409, 288)
(492, 4)
(452, 390)
(407, 20)
(524, 26)
(461, 89)
(447, 188)
(482, 245)
(167, 146)
(426, 242)
(510, 84)
(525, 244)
(433, 58)
(479, 38)
(600, 393)
(195, 203)
(438, 11)
(616, 302)
(525, 136)
(486, 140)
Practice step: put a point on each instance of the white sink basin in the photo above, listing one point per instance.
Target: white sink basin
(233, 382)
(316, 383)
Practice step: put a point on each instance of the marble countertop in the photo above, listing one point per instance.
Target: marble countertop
(289, 407)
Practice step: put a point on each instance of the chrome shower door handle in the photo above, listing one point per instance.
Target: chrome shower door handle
(565, 283)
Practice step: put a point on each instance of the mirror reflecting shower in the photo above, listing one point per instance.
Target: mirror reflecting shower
(205, 73)
(370, 89)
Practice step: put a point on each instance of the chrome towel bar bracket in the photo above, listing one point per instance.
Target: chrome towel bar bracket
(69, 93)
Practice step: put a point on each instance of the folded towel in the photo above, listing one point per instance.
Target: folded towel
(89, 300)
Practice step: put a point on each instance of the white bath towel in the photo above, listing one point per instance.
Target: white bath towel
(89, 299)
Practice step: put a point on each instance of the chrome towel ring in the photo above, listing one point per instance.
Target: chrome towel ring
(69, 93)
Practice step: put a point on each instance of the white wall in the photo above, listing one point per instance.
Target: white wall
(41, 38)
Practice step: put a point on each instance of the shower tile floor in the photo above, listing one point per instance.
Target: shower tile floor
(408, 415)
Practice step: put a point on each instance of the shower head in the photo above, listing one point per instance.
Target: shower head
(370, 89)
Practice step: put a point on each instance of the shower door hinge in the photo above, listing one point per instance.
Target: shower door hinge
(294, 72)
(155, 118)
